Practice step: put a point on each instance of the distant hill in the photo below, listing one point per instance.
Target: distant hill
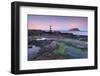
(74, 29)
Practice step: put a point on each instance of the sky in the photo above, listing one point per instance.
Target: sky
(43, 22)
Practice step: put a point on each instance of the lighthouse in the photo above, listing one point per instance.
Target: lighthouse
(50, 29)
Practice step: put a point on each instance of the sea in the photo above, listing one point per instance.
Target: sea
(84, 33)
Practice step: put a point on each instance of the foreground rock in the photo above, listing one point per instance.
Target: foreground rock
(44, 51)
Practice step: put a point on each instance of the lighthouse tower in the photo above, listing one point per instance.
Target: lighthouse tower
(50, 29)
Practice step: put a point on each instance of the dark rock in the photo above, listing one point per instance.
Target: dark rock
(74, 29)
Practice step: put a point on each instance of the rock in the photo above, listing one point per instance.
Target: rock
(53, 44)
(47, 49)
(74, 29)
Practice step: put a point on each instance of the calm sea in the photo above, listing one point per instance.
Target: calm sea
(85, 33)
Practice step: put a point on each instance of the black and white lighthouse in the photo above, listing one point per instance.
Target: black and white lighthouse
(50, 29)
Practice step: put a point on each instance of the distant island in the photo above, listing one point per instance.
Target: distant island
(74, 29)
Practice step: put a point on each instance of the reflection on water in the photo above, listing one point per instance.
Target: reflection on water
(32, 52)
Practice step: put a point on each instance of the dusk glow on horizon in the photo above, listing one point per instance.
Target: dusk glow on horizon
(43, 22)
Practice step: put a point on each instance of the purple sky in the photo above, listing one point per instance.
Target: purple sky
(43, 22)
